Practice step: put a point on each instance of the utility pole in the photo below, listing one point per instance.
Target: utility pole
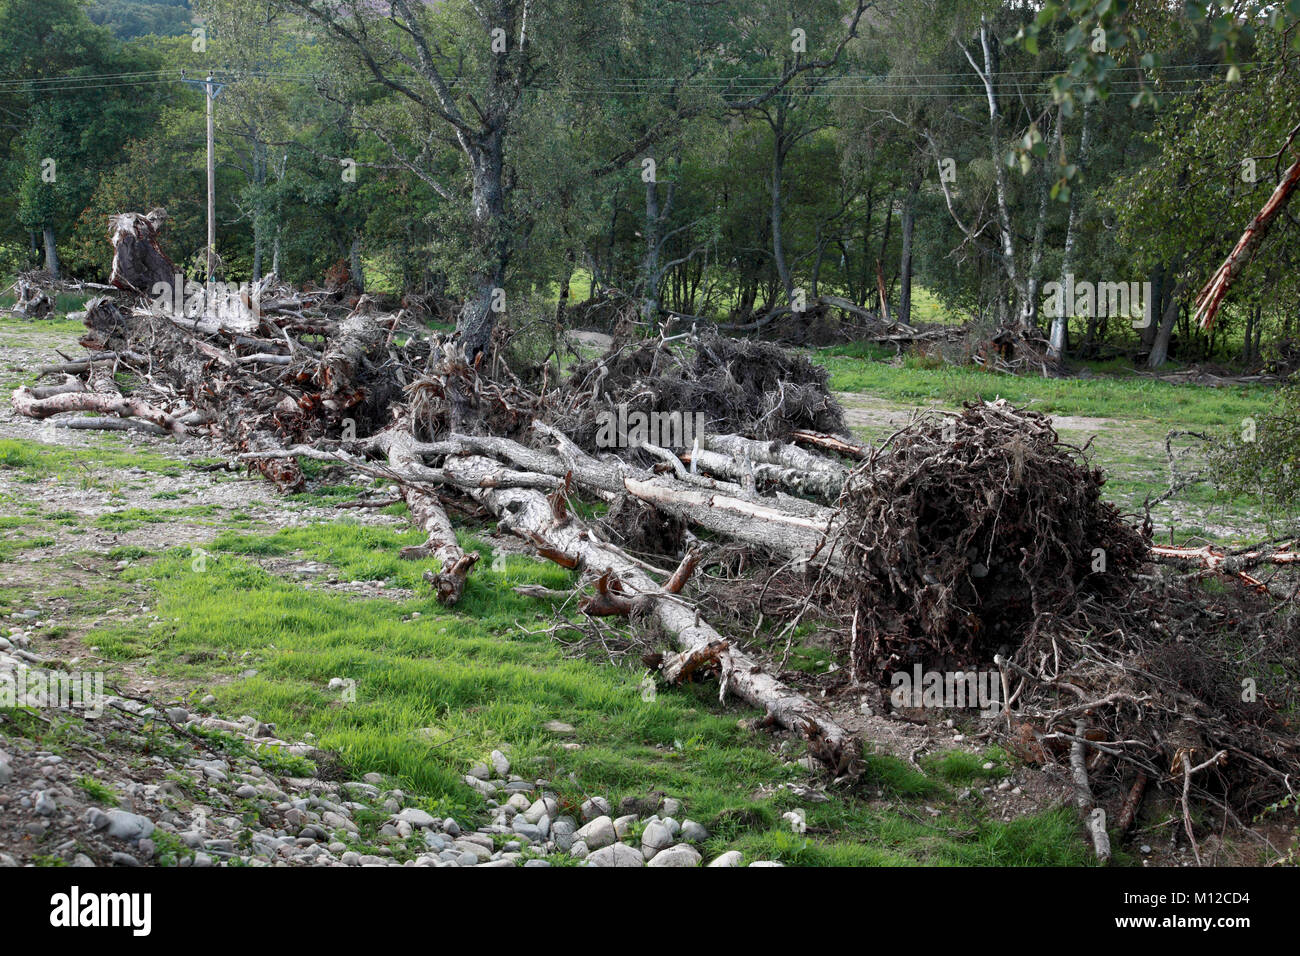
(212, 180)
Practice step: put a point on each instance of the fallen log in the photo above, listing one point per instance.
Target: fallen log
(26, 403)
(832, 443)
(1215, 559)
(1231, 563)
(427, 513)
(70, 384)
(1094, 816)
(802, 537)
(523, 510)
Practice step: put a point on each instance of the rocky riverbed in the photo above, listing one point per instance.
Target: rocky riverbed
(143, 783)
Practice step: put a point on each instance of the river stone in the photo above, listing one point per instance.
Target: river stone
(655, 838)
(598, 833)
(618, 854)
(693, 832)
(683, 854)
(416, 817)
(128, 826)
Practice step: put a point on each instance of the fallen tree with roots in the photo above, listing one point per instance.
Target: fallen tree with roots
(968, 540)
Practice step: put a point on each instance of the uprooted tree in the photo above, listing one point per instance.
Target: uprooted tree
(968, 540)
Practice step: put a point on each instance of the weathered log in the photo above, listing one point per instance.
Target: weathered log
(832, 443)
(26, 403)
(823, 484)
(773, 453)
(428, 515)
(802, 537)
(1094, 816)
(70, 384)
(523, 509)
(31, 301)
(341, 360)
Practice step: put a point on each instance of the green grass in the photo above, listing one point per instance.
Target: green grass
(127, 519)
(79, 464)
(858, 368)
(437, 691)
(99, 791)
(963, 767)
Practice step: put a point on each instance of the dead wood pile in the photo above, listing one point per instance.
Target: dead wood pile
(31, 301)
(965, 532)
(755, 389)
(964, 541)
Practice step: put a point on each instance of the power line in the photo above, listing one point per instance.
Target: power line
(903, 81)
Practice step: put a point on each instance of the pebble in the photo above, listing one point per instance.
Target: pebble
(127, 826)
(541, 807)
(417, 818)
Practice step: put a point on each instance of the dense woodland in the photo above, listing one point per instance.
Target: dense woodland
(731, 161)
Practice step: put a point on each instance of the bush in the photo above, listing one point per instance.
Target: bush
(1263, 457)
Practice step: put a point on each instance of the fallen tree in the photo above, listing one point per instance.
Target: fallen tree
(961, 541)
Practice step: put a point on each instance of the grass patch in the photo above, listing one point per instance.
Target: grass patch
(99, 791)
(435, 692)
(861, 368)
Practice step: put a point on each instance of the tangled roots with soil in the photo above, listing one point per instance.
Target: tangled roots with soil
(755, 389)
(964, 533)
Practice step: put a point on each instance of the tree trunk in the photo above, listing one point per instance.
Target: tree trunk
(51, 253)
(1036, 248)
(905, 260)
(1061, 323)
(491, 240)
(780, 148)
(999, 176)
(355, 266)
(1160, 347)
(259, 207)
(651, 275)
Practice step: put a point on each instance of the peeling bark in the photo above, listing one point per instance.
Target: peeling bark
(522, 510)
